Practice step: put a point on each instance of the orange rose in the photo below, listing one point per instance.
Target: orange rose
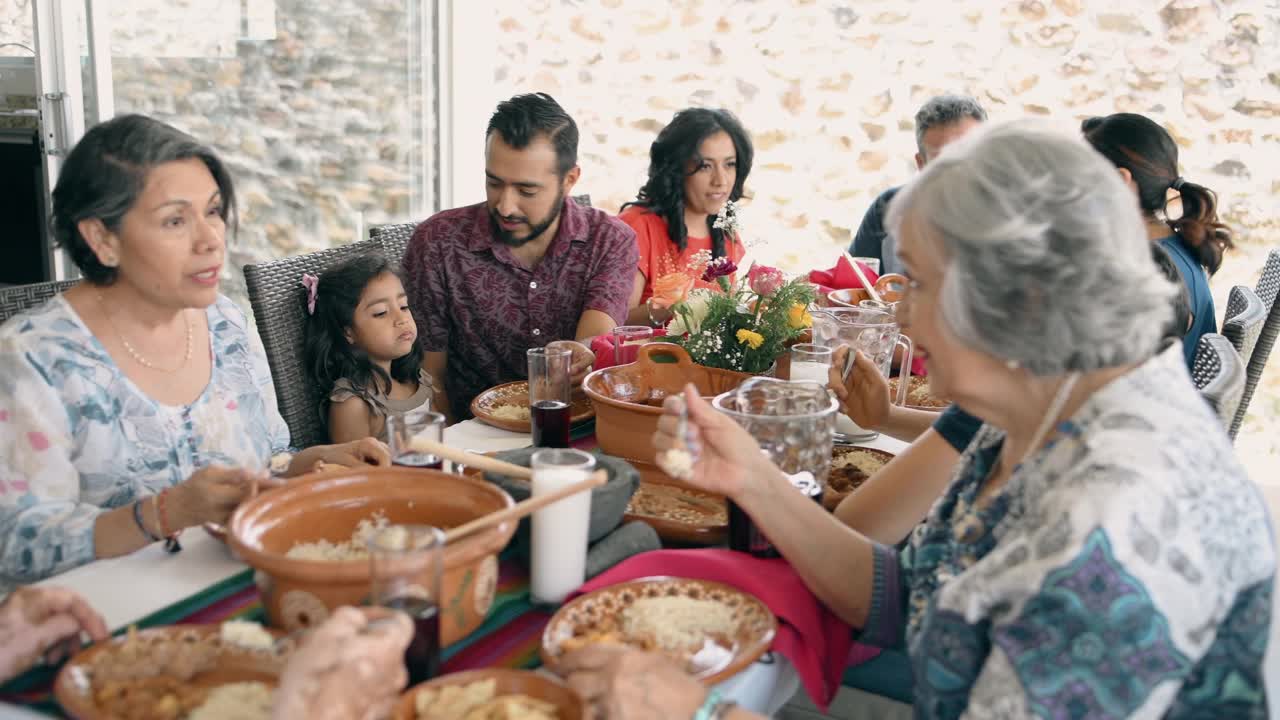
(671, 289)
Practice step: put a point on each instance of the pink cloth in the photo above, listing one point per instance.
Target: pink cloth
(817, 643)
(602, 346)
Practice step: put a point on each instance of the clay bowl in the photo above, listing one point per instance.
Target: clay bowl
(301, 593)
(889, 286)
(628, 398)
(569, 705)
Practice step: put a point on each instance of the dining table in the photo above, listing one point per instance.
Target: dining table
(206, 583)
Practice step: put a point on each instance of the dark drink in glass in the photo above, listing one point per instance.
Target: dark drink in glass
(550, 423)
(745, 536)
(422, 657)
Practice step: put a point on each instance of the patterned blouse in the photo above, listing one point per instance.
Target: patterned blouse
(77, 438)
(1125, 570)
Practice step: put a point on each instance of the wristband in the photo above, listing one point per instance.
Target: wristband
(137, 519)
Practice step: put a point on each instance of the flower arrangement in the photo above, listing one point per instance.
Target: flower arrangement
(742, 326)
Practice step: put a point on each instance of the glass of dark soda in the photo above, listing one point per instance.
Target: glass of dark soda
(549, 395)
(402, 428)
(406, 562)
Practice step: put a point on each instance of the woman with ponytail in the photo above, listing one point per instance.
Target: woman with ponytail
(698, 163)
(1147, 158)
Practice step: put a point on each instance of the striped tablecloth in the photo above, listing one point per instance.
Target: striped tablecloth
(509, 637)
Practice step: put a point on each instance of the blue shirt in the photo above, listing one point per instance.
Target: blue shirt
(1203, 316)
(873, 240)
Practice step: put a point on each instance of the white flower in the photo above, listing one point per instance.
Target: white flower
(727, 219)
(690, 314)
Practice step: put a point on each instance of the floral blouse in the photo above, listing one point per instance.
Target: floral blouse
(77, 437)
(1125, 570)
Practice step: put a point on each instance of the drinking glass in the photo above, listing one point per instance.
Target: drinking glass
(873, 263)
(404, 427)
(627, 340)
(549, 396)
(810, 362)
(559, 534)
(406, 562)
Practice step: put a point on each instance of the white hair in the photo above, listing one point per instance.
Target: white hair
(1045, 256)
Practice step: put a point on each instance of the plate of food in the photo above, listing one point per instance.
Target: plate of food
(850, 467)
(918, 396)
(491, 694)
(178, 672)
(507, 406)
(678, 513)
(709, 629)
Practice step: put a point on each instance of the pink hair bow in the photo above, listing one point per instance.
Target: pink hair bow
(311, 283)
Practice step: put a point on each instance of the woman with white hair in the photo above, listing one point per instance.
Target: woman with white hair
(1103, 554)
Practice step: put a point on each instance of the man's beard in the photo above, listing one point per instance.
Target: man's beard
(510, 240)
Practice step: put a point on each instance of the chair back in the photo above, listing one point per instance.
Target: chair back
(1218, 373)
(394, 238)
(1269, 282)
(18, 298)
(1242, 325)
(279, 309)
(1258, 362)
(584, 200)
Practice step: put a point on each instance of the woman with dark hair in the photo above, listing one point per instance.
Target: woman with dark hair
(137, 403)
(362, 347)
(1147, 158)
(699, 162)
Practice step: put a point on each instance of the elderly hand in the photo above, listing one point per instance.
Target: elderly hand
(346, 669)
(365, 451)
(625, 684)
(728, 457)
(580, 363)
(864, 396)
(210, 495)
(35, 620)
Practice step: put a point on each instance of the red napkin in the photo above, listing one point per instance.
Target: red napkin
(602, 346)
(816, 642)
(841, 276)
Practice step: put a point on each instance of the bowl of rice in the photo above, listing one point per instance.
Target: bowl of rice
(491, 694)
(307, 541)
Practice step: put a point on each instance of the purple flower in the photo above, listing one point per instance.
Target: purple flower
(718, 268)
(311, 283)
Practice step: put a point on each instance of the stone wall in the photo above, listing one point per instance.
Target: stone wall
(829, 89)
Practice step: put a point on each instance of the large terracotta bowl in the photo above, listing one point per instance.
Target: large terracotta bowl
(628, 398)
(889, 286)
(301, 593)
(568, 704)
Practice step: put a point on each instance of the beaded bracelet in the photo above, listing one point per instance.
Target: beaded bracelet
(137, 519)
(171, 543)
(714, 707)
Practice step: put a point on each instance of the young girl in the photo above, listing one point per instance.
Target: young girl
(361, 346)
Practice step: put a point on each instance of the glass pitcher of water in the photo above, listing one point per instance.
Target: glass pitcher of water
(876, 333)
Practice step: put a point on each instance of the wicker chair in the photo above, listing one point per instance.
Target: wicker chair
(279, 306)
(14, 300)
(393, 238)
(1219, 373)
(1269, 283)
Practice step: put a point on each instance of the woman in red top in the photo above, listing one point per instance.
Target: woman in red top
(699, 162)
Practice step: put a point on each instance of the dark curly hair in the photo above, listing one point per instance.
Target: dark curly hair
(1138, 144)
(107, 171)
(669, 159)
(328, 356)
(524, 117)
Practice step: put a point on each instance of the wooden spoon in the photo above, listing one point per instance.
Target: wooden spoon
(525, 507)
(470, 459)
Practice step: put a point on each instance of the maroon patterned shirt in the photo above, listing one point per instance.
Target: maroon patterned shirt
(480, 305)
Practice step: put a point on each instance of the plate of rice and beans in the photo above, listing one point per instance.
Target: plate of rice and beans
(712, 630)
(507, 407)
(850, 467)
(491, 694)
(676, 512)
(178, 672)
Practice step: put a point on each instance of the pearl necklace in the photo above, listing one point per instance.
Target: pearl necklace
(137, 356)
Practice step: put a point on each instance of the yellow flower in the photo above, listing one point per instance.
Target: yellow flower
(798, 317)
(752, 339)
